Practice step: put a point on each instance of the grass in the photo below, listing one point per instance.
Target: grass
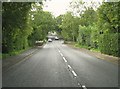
(82, 46)
(86, 47)
(96, 50)
(0, 56)
(5, 55)
(16, 52)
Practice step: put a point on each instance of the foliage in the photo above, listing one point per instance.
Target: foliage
(58, 24)
(108, 24)
(109, 44)
(78, 7)
(88, 17)
(98, 29)
(94, 36)
(87, 29)
(24, 23)
(84, 35)
(108, 14)
(42, 22)
(14, 24)
(70, 27)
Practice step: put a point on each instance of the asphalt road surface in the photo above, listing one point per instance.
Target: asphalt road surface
(57, 65)
(0, 73)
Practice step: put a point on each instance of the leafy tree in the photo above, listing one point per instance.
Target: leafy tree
(14, 23)
(88, 17)
(58, 24)
(70, 26)
(84, 35)
(87, 28)
(108, 24)
(94, 36)
(108, 14)
(99, 27)
(42, 22)
(24, 23)
(78, 7)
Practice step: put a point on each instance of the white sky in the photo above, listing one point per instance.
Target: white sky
(57, 7)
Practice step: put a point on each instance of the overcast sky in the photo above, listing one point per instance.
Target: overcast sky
(57, 7)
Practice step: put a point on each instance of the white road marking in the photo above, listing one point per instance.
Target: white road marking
(69, 67)
(44, 46)
(74, 73)
(63, 45)
(64, 59)
(61, 54)
(59, 51)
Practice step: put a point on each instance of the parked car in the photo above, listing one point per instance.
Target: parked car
(49, 40)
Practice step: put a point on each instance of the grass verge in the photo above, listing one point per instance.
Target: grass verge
(76, 45)
(86, 47)
(5, 55)
(0, 56)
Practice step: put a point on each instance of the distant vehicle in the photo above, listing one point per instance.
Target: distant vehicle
(49, 40)
(56, 38)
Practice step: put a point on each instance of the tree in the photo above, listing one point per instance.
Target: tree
(84, 35)
(70, 26)
(78, 7)
(42, 22)
(88, 17)
(108, 24)
(58, 24)
(14, 23)
(108, 14)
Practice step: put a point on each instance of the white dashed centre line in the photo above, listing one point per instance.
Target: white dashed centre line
(59, 51)
(69, 67)
(61, 54)
(74, 73)
(64, 59)
(78, 84)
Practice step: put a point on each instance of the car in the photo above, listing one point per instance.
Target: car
(49, 40)
(56, 38)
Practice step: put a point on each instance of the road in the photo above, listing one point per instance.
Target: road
(57, 65)
(0, 73)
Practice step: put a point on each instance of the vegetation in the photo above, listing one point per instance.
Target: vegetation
(91, 27)
(96, 29)
(15, 28)
(42, 22)
(23, 24)
(109, 32)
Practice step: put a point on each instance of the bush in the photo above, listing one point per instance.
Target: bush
(108, 44)
(84, 35)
